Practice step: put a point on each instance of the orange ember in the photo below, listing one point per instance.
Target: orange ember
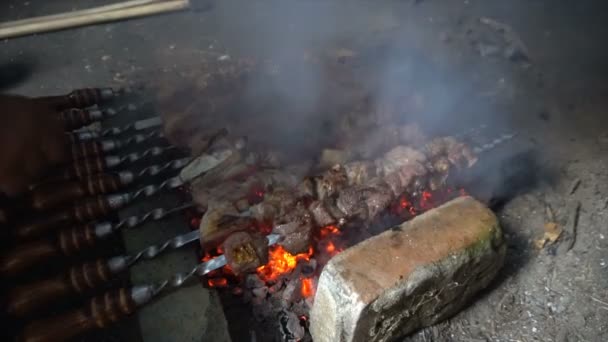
(329, 230)
(425, 201)
(330, 247)
(217, 282)
(280, 262)
(308, 288)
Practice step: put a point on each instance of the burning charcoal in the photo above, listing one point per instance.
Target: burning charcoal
(257, 301)
(247, 296)
(307, 268)
(291, 293)
(245, 252)
(276, 287)
(252, 281)
(291, 329)
(260, 292)
(310, 300)
(296, 236)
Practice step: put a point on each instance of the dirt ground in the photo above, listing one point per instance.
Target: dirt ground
(552, 92)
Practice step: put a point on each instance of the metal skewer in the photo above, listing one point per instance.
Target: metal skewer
(138, 125)
(51, 195)
(116, 304)
(71, 241)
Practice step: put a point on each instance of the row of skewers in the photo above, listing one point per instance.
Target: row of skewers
(74, 205)
(78, 199)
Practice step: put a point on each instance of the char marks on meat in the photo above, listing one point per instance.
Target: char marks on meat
(245, 251)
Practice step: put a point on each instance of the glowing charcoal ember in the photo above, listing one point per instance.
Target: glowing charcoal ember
(217, 282)
(280, 262)
(308, 287)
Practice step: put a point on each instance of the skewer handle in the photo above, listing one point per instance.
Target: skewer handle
(86, 149)
(74, 118)
(88, 210)
(98, 313)
(69, 241)
(84, 167)
(51, 195)
(27, 299)
(81, 98)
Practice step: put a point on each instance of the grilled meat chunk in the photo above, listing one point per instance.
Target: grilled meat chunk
(245, 251)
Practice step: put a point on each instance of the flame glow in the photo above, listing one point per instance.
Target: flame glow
(280, 262)
(217, 282)
(308, 288)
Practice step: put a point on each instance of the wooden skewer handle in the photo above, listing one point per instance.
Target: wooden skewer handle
(98, 313)
(86, 211)
(84, 167)
(69, 242)
(74, 118)
(85, 149)
(27, 299)
(81, 98)
(51, 195)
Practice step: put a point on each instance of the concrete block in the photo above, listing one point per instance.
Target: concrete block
(409, 277)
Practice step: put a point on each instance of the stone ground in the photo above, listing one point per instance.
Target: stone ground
(556, 103)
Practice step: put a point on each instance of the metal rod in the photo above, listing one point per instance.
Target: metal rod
(103, 229)
(179, 279)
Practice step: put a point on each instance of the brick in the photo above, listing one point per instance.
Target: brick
(409, 277)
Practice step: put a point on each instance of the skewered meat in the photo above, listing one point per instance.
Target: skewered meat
(458, 153)
(229, 198)
(296, 235)
(358, 190)
(245, 251)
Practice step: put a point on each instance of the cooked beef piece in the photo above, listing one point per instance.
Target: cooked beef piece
(330, 182)
(398, 157)
(349, 201)
(214, 218)
(297, 235)
(245, 252)
(359, 172)
(322, 216)
(377, 196)
(459, 154)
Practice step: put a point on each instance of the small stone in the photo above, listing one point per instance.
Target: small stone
(410, 277)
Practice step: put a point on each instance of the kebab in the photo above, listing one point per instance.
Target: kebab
(357, 190)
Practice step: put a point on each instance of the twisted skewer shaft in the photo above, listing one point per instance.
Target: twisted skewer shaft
(71, 241)
(180, 279)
